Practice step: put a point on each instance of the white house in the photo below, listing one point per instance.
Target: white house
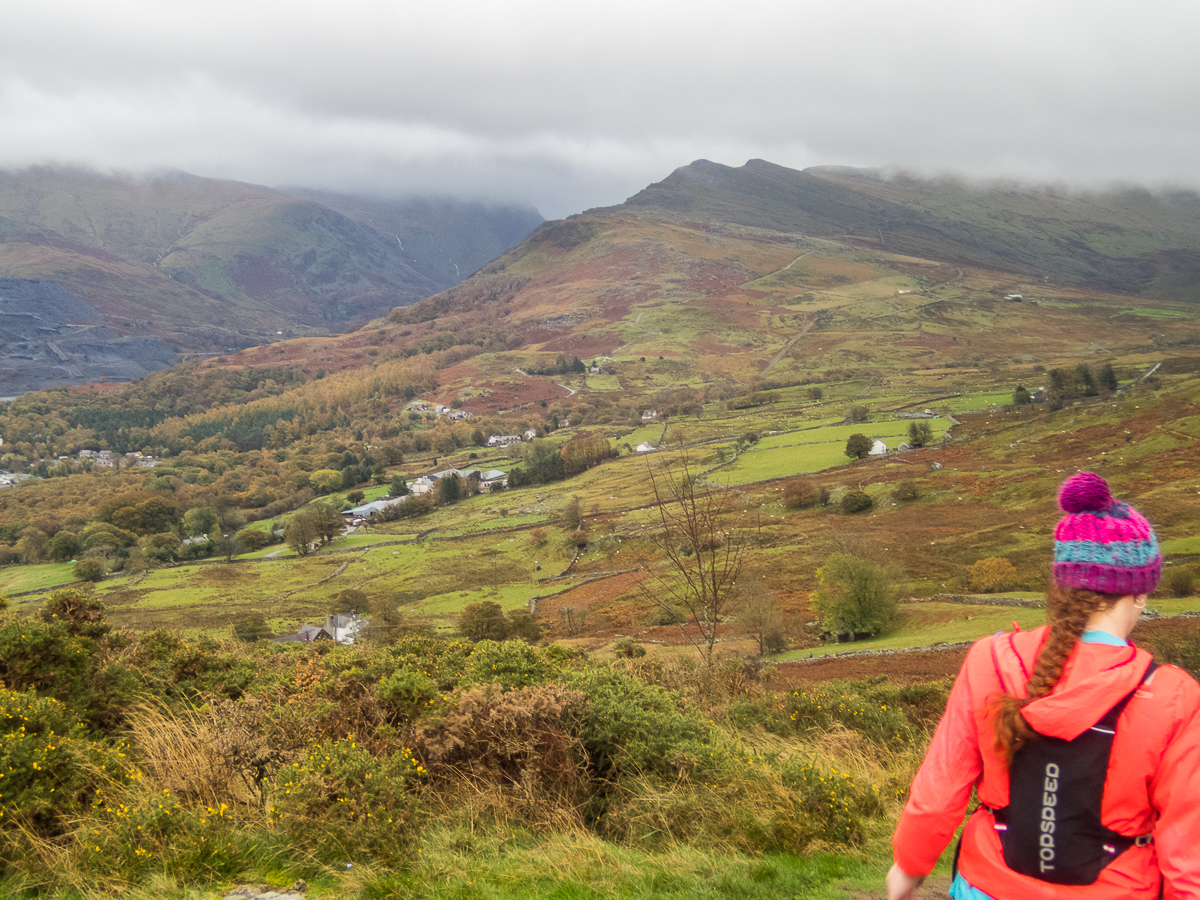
(503, 440)
(879, 448)
(650, 415)
(646, 447)
(493, 478)
(422, 485)
(372, 509)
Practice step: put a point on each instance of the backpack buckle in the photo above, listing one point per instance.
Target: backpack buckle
(1143, 840)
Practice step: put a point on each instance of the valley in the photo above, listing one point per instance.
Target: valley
(751, 378)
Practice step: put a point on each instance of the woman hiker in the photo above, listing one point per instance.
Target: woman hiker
(1085, 756)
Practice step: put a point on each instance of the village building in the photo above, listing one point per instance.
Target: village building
(878, 448)
(493, 479)
(343, 629)
(503, 440)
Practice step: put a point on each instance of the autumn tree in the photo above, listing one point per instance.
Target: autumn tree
(855, 596)
(483, 622)
(300, 534)
(760, 618)
(920, 434)
(200, 520)
(702, 552)
(993, 574)
(858, 446)
(326, 520)
(64, 546)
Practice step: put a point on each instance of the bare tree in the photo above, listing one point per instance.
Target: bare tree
(760, 618)
(701, 551)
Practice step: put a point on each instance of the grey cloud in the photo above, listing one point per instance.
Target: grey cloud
(575, 105)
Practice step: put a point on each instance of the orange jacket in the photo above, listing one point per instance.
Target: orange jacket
(1153, 781)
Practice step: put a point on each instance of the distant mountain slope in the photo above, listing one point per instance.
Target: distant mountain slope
(445, 240)
(48, 337)
(1131, 241)
(211, 264)
(761, 272)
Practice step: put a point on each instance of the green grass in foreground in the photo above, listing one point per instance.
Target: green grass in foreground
(922, 624)
(468, 863)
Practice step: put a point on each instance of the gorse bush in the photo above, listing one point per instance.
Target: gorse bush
(815, 709)
(511, 664)
(407, 693)
(126, 758)
(49, 768)
(834, 804)
(338, 802)
(633, 728)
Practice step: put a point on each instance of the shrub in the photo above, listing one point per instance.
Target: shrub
(82, 613)
(628, 648)
(833, 803)
(508, 737)
(905, 492)
(818, 709)
(1179, 648)
(51, 766)
(800, 493)
(88, 569)
(407, 693)
(993, 574)
(338, 799)
(1180, 581)
(511, 664)
(45, 657)
(633, 728)
(856, 502)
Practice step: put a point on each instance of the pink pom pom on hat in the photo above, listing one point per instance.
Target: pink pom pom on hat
(1102, 544)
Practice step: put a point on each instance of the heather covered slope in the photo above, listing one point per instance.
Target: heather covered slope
(1129, 241)
(736, 274)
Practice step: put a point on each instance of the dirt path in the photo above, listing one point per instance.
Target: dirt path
(789, 345)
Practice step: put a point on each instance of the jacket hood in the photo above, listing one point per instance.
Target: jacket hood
(1095, 678)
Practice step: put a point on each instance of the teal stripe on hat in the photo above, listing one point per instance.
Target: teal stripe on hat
(1126, 554)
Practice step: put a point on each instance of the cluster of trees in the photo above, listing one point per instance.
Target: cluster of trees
(543, 462)
(487, 621)
(560, 366)
(1071, 384)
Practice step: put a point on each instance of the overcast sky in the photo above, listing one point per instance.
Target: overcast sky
(568, 104)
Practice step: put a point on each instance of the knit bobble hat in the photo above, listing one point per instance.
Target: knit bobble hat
(1101, 544)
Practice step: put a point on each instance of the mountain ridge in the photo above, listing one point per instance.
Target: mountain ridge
(211, 265)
